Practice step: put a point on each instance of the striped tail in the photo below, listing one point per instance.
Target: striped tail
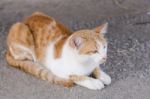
(37, 70)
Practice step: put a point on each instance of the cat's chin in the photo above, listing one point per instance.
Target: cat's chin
(102, 62)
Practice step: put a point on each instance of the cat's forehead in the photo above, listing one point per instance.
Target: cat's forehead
(91, 36)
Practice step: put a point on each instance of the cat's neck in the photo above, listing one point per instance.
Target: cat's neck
(68, 54)
(59, 46)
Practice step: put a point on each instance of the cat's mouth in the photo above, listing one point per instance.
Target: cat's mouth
(102, 64)
(102, 61)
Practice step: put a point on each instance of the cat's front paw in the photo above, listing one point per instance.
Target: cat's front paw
(94, 84)
(106, 79)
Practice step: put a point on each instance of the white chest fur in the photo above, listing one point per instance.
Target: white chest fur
(66, 65)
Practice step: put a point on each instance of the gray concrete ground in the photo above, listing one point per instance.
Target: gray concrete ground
(128, 54)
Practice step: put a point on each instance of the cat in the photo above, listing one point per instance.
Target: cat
(44, 47)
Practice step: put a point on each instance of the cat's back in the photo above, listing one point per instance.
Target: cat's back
(38, 21)
(44, 27)
(45, 30)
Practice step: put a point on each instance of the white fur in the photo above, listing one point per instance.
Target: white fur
(91, 83)
(71, 63)
(68, 64)
(105, 78)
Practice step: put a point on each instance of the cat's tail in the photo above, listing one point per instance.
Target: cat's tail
(37, 70)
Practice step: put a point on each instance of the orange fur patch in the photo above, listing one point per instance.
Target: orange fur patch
(96, 72)
(58, 47)
(89, 39)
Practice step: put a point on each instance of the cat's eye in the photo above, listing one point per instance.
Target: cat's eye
(92, 52)
(95, 51)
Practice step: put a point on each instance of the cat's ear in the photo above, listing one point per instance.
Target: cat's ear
(102, 29)
(76, 42)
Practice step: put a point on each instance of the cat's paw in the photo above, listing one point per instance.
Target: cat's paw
(106, 79)
(94, 84)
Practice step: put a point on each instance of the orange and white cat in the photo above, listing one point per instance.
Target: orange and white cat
(47, 49)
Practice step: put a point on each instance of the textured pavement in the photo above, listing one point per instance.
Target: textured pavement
(128, 52)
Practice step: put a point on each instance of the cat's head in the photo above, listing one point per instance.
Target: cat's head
(90, 44)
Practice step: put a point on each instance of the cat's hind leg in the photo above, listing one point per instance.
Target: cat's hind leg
(37, 70)
(20, 52)
(20, 42)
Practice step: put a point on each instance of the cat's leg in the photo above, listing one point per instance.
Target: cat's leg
(20, 42)
(21, 52)
(37, 70)
(88, 82)
(101, 75)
